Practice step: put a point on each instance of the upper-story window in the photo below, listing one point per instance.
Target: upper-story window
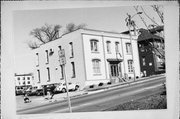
(47, 57)
(142, 48)
(96, 66)
(59, 47)
(117, 47)
(28, 78)
(108, 43)
(37, 59)
(71, 50)
(94, 45)
(128, 48)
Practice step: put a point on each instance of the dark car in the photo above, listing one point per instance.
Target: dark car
(34, 90)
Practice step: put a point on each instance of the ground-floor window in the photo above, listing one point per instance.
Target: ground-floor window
(73, 70)
(96, 66)
(130, 66)
(39, 77)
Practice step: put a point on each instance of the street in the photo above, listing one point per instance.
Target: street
(102, 100)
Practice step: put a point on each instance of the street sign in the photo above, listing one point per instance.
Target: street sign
(62, 58)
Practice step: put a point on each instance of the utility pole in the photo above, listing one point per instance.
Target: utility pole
(130, 23)
(62, 60)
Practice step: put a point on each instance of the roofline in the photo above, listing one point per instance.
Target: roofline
(28, 74)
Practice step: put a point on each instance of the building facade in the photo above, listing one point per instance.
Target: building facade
(23, 80)
(151, 51)
(92, 57)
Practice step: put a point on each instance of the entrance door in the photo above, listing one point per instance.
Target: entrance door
(114, 70)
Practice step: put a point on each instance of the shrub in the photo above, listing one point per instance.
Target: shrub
(109, 83)
(100, 84)
(137, 77)
(91, 86)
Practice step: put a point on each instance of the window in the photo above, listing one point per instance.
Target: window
(130, 66)
(48, 71)
(23, 78)
(37, 59)
(59, 47)
(128, 48)
(96, 66)
(94, 45)
(108, 43)
(47, 57)
(142, 48)
(18, 78)
(51, 52)
(28, 82)
(39, 77)
(73, 70)
(28, 78)
(71, 50)
(143, 61)
(117, 47)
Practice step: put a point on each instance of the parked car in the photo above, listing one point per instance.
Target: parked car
(61, 87)
(34, 90)
(20, 90)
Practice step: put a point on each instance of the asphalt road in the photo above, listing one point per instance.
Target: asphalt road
(102, 100)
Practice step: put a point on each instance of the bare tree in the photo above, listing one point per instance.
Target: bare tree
(158, 10)
(49, 33)
(72, 27)
(44, 34)
(153, 25)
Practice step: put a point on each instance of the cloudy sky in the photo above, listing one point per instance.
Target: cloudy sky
(107, 18)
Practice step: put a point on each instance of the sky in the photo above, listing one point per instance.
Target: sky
(104, 18)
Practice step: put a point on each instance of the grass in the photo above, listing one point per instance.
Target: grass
(157, 101)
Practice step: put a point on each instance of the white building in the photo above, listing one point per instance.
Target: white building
(24, 79)
(91, 57)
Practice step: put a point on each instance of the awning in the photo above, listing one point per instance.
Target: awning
(113, 60)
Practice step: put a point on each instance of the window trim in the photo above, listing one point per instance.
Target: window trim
(39, 76)
(97, 68)
(47, 57)
(130, 68)
(73, 70)
(108, 47)
(130, 51)
(71, 50)
(37, 56)
(49, 77)
(97, 46)
(117, 48)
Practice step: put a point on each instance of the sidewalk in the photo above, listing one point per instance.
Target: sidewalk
(40, 100)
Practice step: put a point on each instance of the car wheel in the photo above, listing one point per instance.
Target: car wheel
(63, 90)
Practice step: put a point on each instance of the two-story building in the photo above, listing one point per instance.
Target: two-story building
(23, 80)
(92, 56)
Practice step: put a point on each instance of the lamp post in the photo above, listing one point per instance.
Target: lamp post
(130, 23)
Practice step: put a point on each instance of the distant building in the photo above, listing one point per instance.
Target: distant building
(24, 79)
(92, 57)
(151, 51)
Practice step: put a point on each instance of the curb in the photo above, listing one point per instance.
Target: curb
(127, 83)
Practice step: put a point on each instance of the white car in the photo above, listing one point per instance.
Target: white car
(62, 87)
